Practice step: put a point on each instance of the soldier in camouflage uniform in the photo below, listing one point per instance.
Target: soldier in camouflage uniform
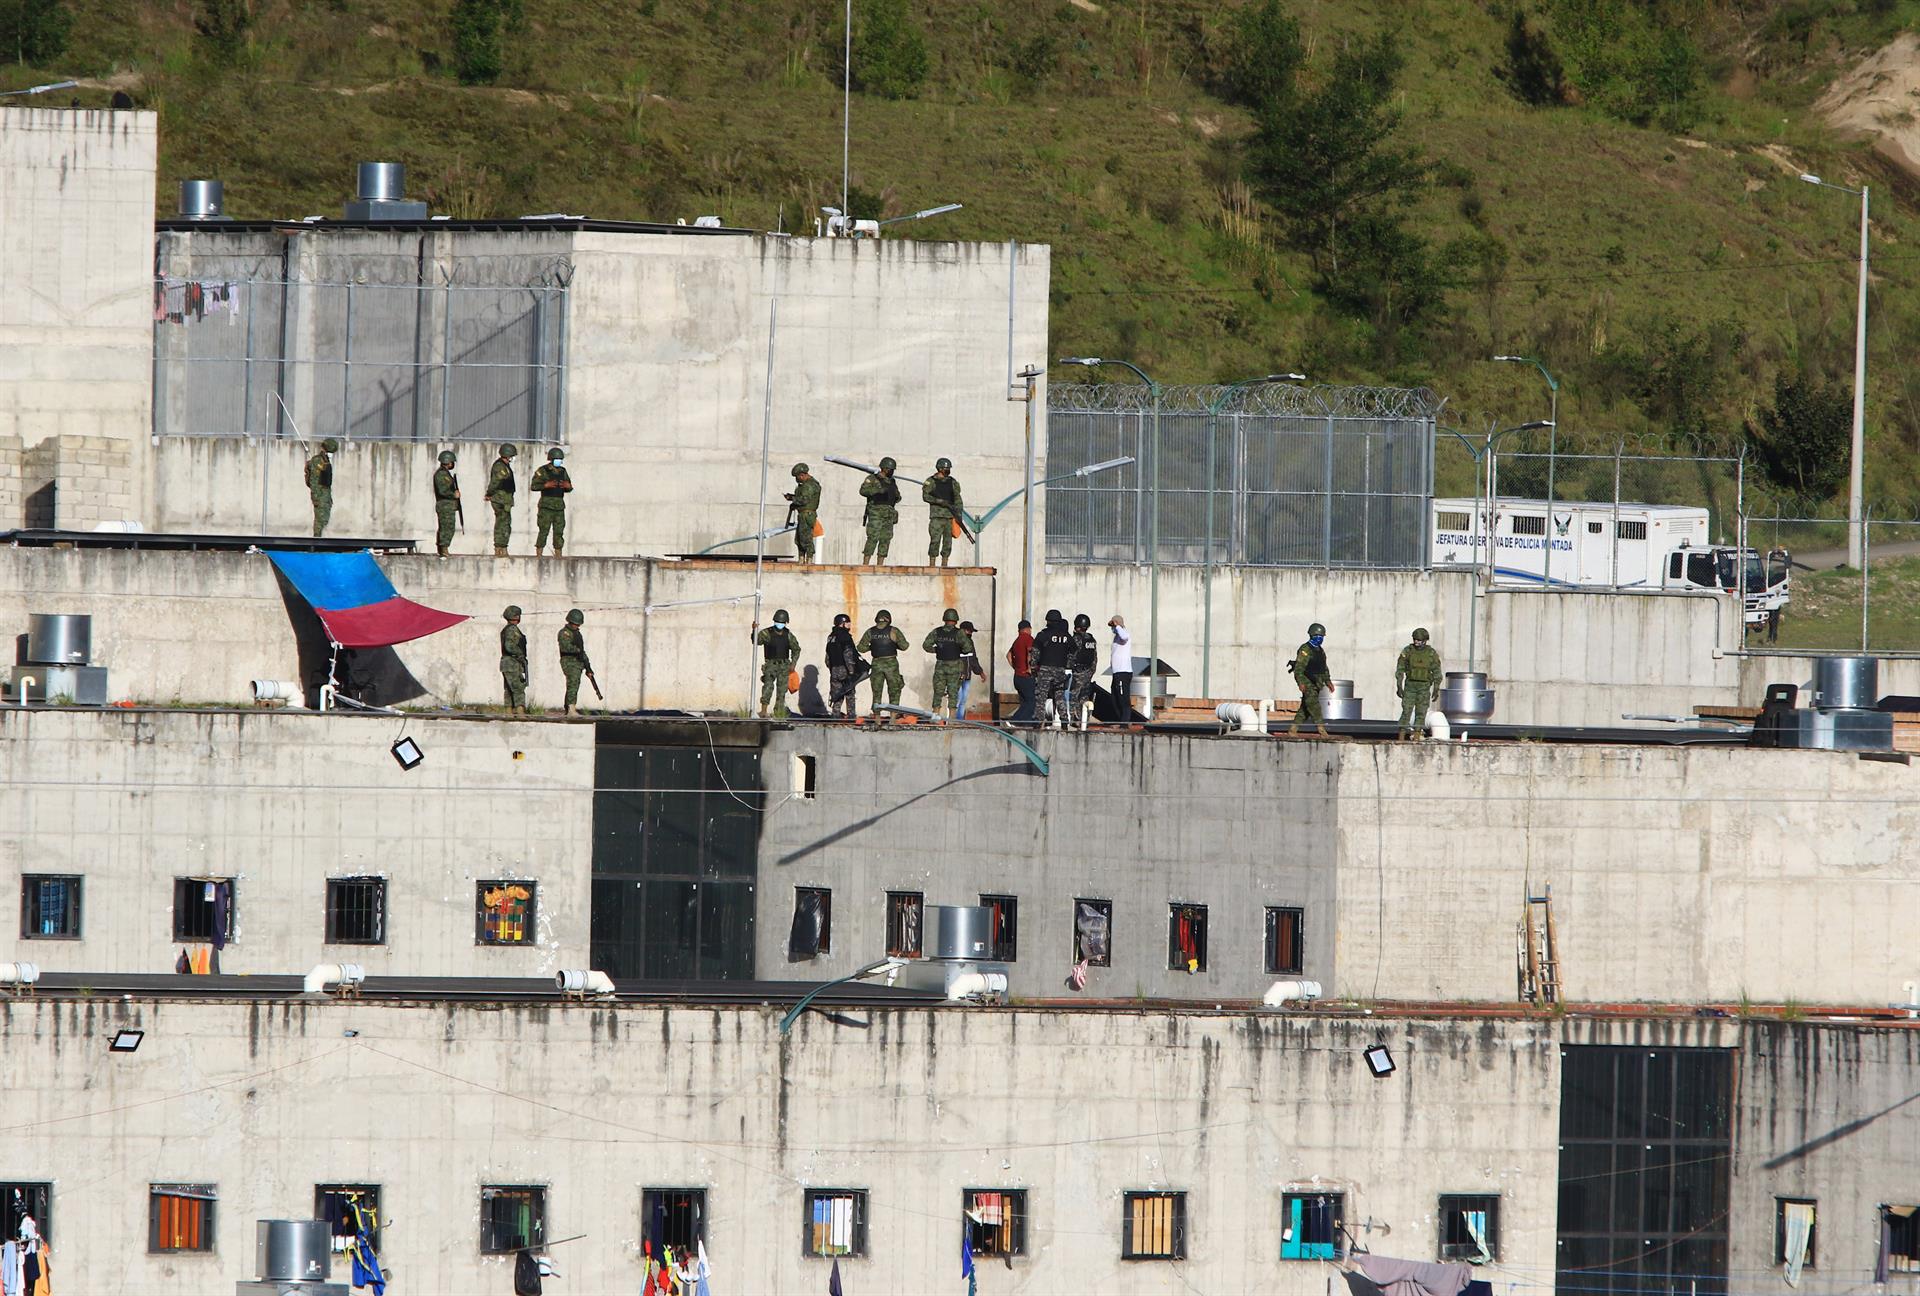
(882, 494)
(500, 490)
(805, 498)
(952, 649)
(513, 661)
(551, 483)
(320, 484)
(1415, 676)
(884, 644)
(941, 494)
(1086, 660)
(1311, 673)
(446, 502)
(1051, 662)
(781, 653)
(573, 658)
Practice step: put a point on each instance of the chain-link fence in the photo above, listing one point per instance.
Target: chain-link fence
(1833, 605)
(1262, 476)
(359, 361)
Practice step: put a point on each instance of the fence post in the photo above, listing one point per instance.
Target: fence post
(346, 371)
(1866, 569)
(1613, 562)
(446, 355)
(1326, 503)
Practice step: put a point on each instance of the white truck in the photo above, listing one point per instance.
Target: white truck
(1601, 546)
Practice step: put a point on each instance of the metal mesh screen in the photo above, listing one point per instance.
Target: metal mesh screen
(359, 361)
(1256, 476)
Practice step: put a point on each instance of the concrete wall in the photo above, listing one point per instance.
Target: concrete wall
(280, 803)
(76, 237)
(199, 627)
(1898, 676)
(431, 1101)
(78, 482)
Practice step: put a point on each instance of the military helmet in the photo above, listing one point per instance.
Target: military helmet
(556, 454)
(841, 618)
(1082, 621)
(508, 452)
(883, 617)
(780, 616)
(576, 617)
(1316, 629)
(943, 465)
(887, 464)
(330, 445)
(1421, 635)
(512, 613)
(950, 615)
(801, 470)
(446, 458)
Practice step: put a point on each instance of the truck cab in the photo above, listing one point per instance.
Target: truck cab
(1722, 569)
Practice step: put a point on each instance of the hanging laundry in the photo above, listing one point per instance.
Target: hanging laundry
(10, 1269)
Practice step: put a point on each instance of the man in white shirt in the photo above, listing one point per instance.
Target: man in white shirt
(1120, 667)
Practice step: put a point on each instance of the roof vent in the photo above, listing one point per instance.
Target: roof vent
(202, 200)
(379, 195)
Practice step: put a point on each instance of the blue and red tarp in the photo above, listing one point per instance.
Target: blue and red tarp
(355, 601)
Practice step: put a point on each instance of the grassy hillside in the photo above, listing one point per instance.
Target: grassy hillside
(1614, 252)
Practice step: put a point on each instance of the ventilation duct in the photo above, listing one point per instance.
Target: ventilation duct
(203, 200)
(379, 195)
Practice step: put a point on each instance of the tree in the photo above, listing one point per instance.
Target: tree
(1804, 441)
(222, 26)
(1326, 158)
(479, 31)
(1263, 54)
(889, 53)
(1533, 71)
(34, 31)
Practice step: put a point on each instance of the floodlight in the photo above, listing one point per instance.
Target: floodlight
(1379, 1061)
(126, 1041)
(408, 753)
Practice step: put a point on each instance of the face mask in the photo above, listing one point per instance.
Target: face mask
(1317, 640)
(779, 625)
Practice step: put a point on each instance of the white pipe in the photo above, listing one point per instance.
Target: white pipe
(583, 982)
(19, 973)
(1284, 992)
(23, 681)
(325, 975)
(276, 691)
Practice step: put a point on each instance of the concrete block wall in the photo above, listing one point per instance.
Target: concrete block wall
(12, 481)
(76, 482)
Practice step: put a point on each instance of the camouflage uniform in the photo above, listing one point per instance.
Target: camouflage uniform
(513, 661)
(1311, 673)
(446, 502)
(782, 652)
(884, 644)
(806, 511)
(882, 494)
(941, 493)
(573, 656)
(500, 490)
(951, 647)
(551, 483)
(1415, 676)
(844, 668)
(1051, 662)
(1086, 659)
(320, 485)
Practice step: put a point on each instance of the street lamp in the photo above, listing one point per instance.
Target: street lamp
(1553, 440)
(1153, 525)
(922, 215)
(1034, 758)
(1026, 566)
(42, 89)
(1856, 538)
(1493, 484)
(1484, 452)
(1214, 407)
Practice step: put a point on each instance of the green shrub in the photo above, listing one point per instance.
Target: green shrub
(889, 54)
(34, 31)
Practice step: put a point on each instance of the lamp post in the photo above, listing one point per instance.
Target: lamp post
(1856, 539)
(1214, 407)
(1553, 445)
(1153, 524)
(1483, 452)
(1493, 484)
(979, 523)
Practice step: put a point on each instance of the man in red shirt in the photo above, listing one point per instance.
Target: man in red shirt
(1023, 673)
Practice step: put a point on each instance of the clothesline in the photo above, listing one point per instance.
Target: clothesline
(183, 301)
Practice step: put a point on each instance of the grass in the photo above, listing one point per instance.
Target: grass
(1119, 158)
(1824, 615)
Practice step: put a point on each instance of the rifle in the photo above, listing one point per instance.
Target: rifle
(459, 509)
(596, 686)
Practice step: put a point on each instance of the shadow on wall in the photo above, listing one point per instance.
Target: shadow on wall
(40, 510)
(375, 676)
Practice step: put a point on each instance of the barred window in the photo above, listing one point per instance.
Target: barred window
(1153, 1226)
(1187, 937)
(673, 1217)
(1093, 932)
(1286, 941)
(1310, 1225)
(995, 1220)
(19, 1200)
(503, 913)
(1900, 1238)
(1529, 524)
(347, 1208)
(203, 909)
(512, 1217)
(1787, 1210)
(49, 909)
(1004, 913)
(905, 910)
(356, 911)
(1470, 1227)
(1447, 520)
(1630, 530)
(812, 932)
(836, 1222)
(180, 1217)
